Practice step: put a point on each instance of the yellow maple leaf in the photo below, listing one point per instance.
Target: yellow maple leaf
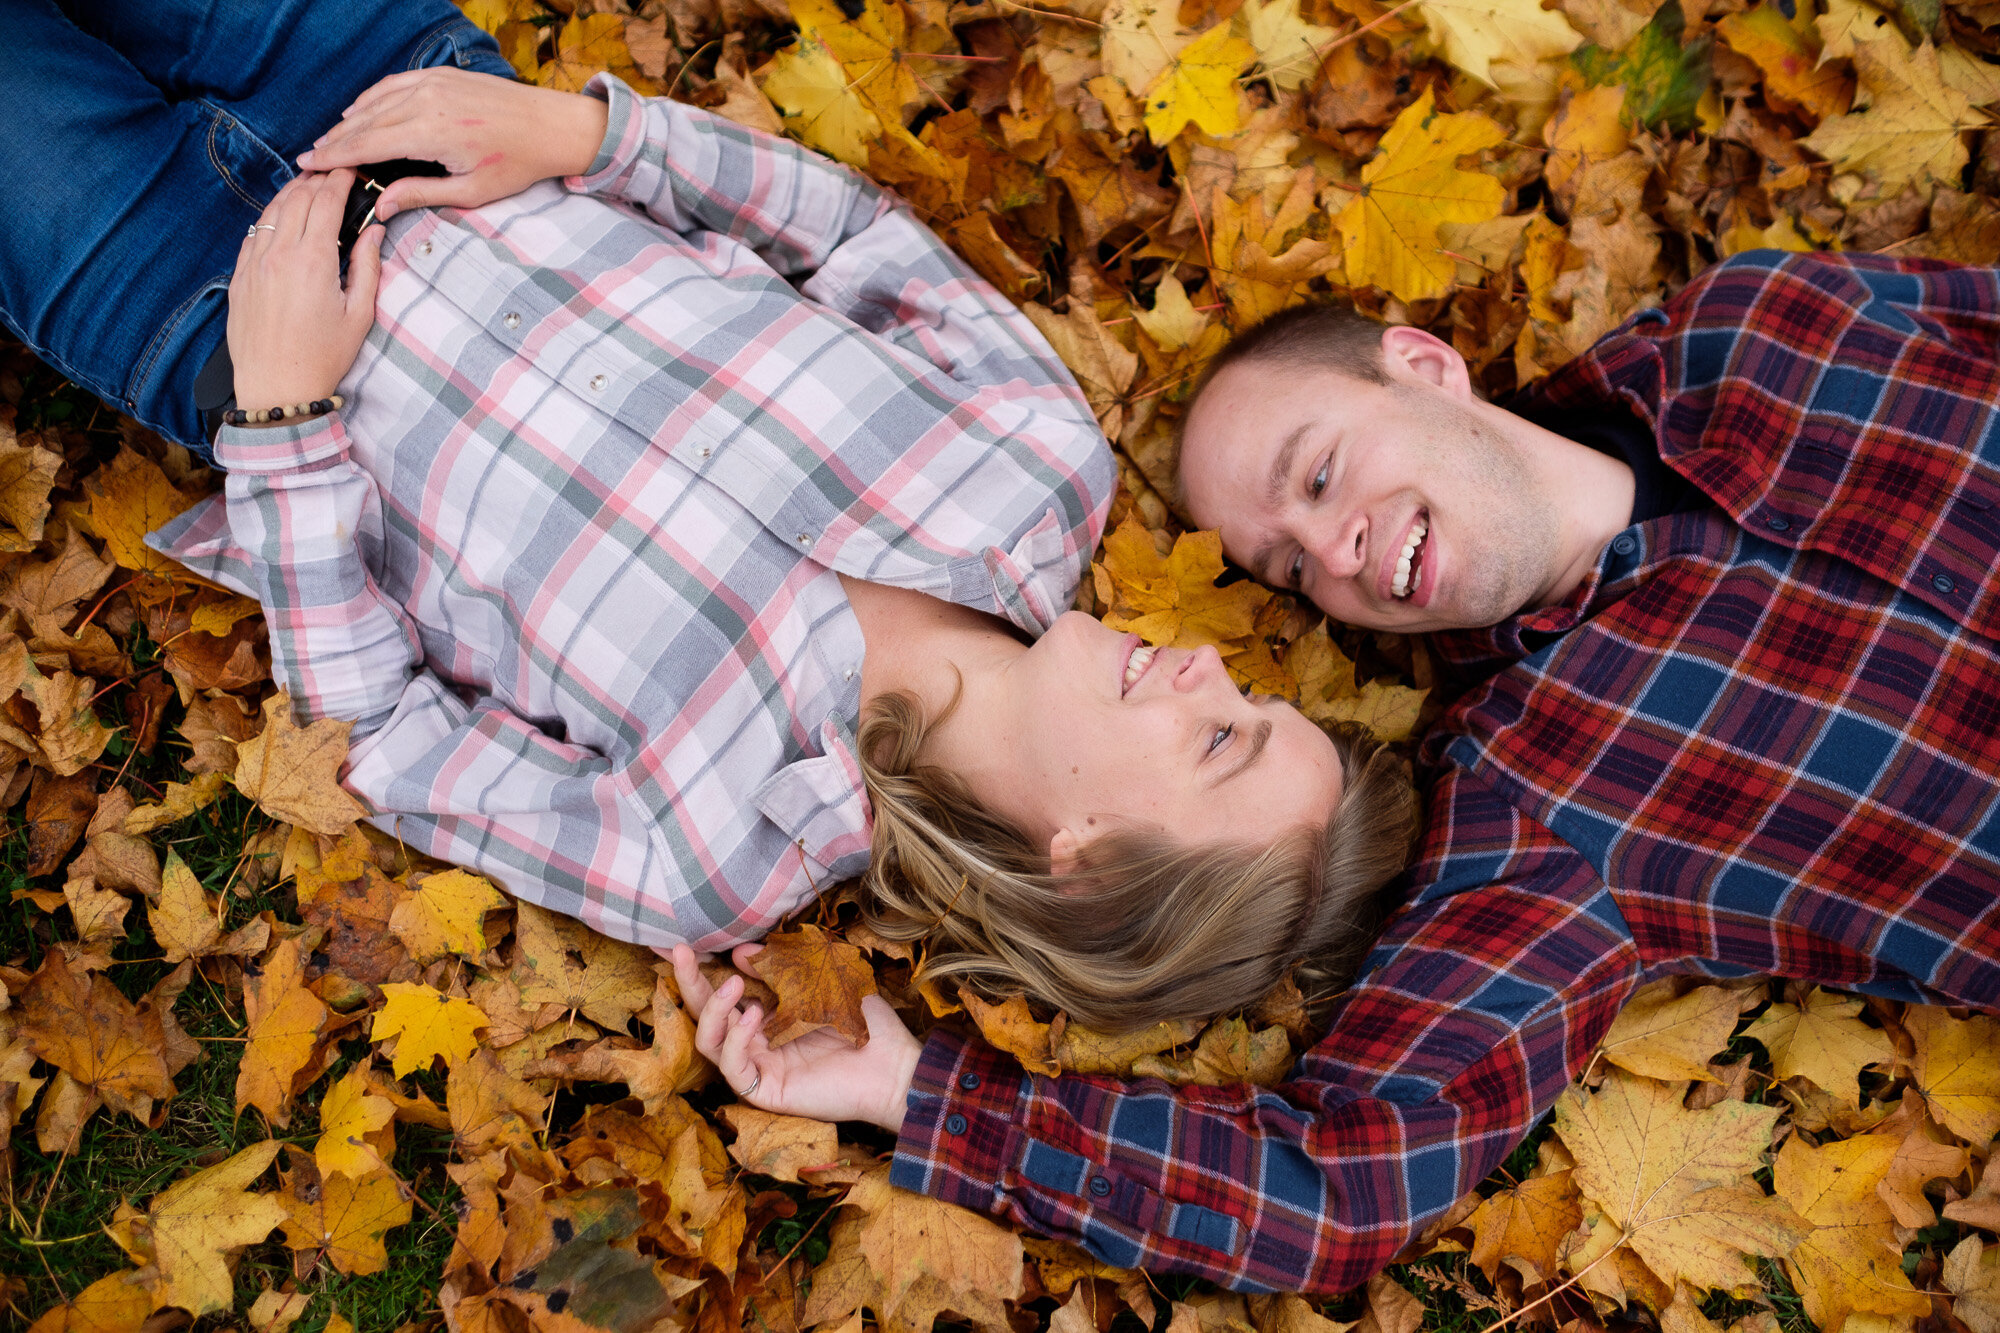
(427, 1024)
(1851, 1261)
(1287, 46)
(1957, 1069)
(492, 15)
(293, 773)
(605, 980)
(869, 48)
(444, 914)
(1009, 1026)
(818, 100)
(910, 1240)
(1200, 86)
(344, 1217)
(1911, 130)
(129, 497)
(779, 1146)
(1172, 601)
(1412, 184)
(195, 1222)
(1229, 1053)
(27, 474)
(1173, 322)
(184, 918)
(282, 1027)
(1792, 68)
(1083, 1051)
(117, 1303)
(1663, 1036)
(1823, 1040)
(216, 617)
(348, 1114)
(1476, 33)
(1523, 1227)
(587, 45)
(1328, 693)
(1678, 1182)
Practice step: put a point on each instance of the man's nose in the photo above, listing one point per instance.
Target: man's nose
(1341, 545)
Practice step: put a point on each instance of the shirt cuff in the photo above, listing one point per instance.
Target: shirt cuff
(962, 1122)
(282, 448)
(624, 135)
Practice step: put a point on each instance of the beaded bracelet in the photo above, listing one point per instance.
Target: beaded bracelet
(318, 407)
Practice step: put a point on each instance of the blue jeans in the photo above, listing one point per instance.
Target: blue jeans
(139, 139)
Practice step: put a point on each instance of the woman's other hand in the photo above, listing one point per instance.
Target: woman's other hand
(494, 136)
(818, 1075)
(294, 330)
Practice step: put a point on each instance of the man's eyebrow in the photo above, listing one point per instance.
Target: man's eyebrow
(1274, 491)
(1260, 736)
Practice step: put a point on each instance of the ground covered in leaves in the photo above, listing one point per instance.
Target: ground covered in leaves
(259, 1068)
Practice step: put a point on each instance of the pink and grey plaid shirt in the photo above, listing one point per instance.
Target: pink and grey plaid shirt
(568, 557)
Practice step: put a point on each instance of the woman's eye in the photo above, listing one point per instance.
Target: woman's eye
(1295, 572)
(1221, 737)
(1317, 486)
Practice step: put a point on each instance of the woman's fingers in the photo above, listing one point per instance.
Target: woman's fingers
(712, 1026)
(744, 956)
(326, 208)
(695, 989)
(734, 1060)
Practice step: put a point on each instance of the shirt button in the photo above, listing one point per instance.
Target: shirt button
(1942, 582)
(1100, 1186)
(966, 1081)
(597, 383)
(1778, 523)
(849, 675)
(704, 451)
(804, 540)
(424, 249)
(512, 319)
(1624, 543)
(954, 1124)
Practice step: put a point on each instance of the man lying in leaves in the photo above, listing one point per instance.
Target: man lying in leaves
(1726, 586)
(677, 533)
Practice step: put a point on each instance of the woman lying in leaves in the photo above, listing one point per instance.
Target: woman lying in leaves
(682, 527)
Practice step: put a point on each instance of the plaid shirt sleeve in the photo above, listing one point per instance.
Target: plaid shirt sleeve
(850, 246)
(1488, 991)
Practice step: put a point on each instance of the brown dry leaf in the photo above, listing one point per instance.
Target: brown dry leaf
(670, 1066)
(1851, 1261)
(1823, 1040)
(195, 1222)
(1101, 364)
(59, 809)
(1678, 1182)
(1971, 1273)
(50, 592)
(27, 474)
(1523, 1227)
(129, 497)
(571, 965)
(213, 727)
(491, 1109)
(184, 920)
(1173, 601)
(444, 914)
(1790, 61)
(293, 773)
(427, 1025)
(71, 736)
(1664, 1037)
(820, 981)
(85, 1027)
(181, 800)
(1957, 1069)
(779, 1146)
(282, 1024)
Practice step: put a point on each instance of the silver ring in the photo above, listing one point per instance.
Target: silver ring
(750, 1091)
(256, 227)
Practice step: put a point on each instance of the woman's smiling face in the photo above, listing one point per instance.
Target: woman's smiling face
(1107, 733)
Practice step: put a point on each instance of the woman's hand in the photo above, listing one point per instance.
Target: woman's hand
(818, 1075)
(494, 136)
(294, 331)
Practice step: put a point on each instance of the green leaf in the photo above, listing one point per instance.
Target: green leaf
(1663, 79)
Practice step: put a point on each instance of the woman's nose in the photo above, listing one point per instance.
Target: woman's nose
(1202, 666)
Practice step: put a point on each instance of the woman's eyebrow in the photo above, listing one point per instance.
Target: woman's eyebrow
(1260, 736)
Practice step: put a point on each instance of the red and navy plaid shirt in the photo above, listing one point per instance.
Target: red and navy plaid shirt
(1762, 737)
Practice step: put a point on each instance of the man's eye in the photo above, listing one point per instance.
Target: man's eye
(1221, 737)
(1317, 486)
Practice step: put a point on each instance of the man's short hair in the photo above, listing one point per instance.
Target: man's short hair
(1321, 335)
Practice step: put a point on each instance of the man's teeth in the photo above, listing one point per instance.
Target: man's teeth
(1136, 664)
(1401, 585)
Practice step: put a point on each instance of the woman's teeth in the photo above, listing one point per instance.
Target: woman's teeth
(1403, 585)
(1136, 664)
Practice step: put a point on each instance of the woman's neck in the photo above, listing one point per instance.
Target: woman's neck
(935, 650)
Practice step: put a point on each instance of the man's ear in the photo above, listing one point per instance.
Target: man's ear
(1411, 353)
(1065, 852)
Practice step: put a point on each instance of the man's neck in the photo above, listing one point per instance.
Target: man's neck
(1593, 494)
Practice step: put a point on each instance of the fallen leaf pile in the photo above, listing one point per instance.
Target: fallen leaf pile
(1145, 178)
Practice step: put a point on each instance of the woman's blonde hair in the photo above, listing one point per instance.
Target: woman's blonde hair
(1148, 929)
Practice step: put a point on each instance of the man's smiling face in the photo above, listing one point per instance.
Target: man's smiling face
(1399, 506)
